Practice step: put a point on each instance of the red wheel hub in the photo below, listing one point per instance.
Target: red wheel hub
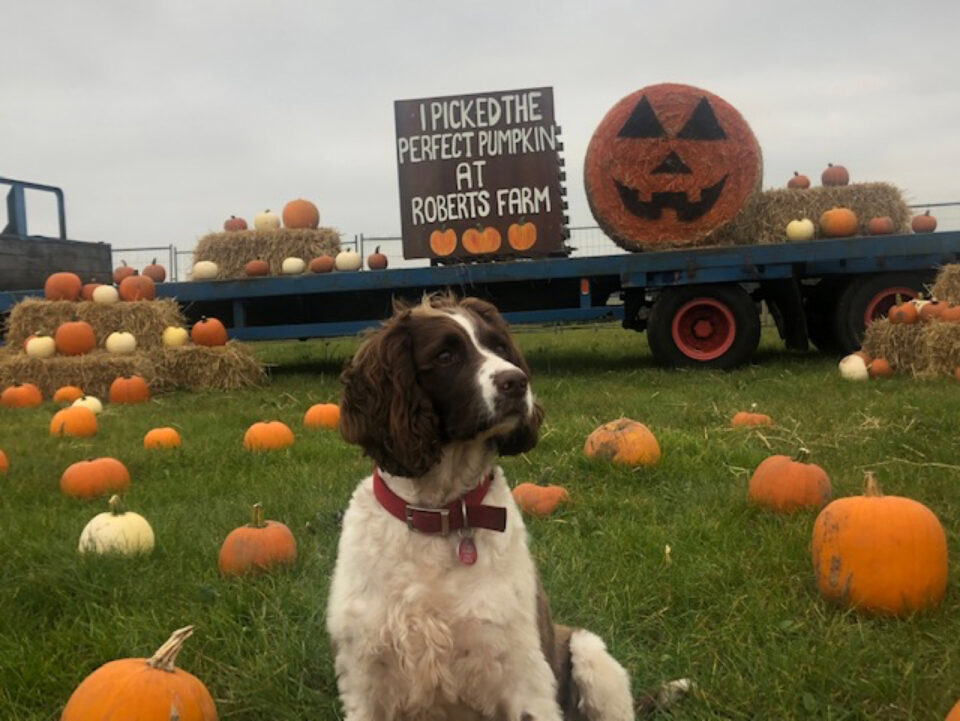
(704, 329)
(880, 305)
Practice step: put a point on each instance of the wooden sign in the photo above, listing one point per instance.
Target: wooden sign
(480, 175)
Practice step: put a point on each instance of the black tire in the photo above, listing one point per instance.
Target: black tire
(727, 301)
(849, 323)
(820, 301)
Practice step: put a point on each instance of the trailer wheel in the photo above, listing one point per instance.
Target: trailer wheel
(708, 326)
(869, 298)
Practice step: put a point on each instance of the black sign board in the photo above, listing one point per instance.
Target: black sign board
(480, 175)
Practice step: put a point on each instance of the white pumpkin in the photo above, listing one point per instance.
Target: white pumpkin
(267, 220)
(348, 260)
(91, 402)
(121, 343)
(105, 294)
(800, 230)
(116, 531)
(293, 266)
(853, 368)
(204, 270)
(174, 336)
(41, 346)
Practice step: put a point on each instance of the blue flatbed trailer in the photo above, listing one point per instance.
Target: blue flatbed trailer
(700, 307)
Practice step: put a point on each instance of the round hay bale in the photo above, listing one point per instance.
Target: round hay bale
(668, 165)
(947, 285)
(231, 251)
(146, 319)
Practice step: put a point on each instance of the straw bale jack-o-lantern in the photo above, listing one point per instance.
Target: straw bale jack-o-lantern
(668, 165)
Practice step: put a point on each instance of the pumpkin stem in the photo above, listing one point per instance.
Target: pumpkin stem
(802, 455)
(116, 505)
(163, 659)
(871, 488)
(377, 249)
(153, 262)
(256, 515)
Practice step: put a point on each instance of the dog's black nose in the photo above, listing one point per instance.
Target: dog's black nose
(512, 383)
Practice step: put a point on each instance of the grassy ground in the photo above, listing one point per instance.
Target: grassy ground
(736, 609)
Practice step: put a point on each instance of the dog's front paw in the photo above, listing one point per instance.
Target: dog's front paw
(664, 696)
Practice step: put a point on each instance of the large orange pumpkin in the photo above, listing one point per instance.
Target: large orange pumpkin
(95, 477)
(882, 554)
(322, 415)
(925, 223)
(129, 389)
(443, 242)
(62, 286)
(75, 421)
(623, 441)
(481, 240)
(21, 395)
(522, 236)
(539, 500)
(300, 214)
(839, 223)
(137, 287)
(75, 338)
(67, 394)
(257, 547)
(781, 483)
(668, 165)
(209, 332)
(268, 436)
(148, 689)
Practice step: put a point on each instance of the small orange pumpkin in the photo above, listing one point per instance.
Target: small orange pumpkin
(257, 547)
(835, 175)
(539, 500)
(62, 286)
(155, 272)
(67, 394)
(925, 223)
(905, 313)
(257, 268)
(74, 421)
(623, 441)
(798, 181)
(137, 287)
(268, 436)
(21, 395)
(144, 688)
(839, 223)
(129, 389)
(785, 484)
(322, 415)
(322, 264)
(300, 214)
(932, 309)
(86, 292)
(522, 236)
(95, 477)
(165, 437)
(208, 332)
(4, 463)
(481, 240)
(881, 226)
(879, 368)
(122, 271)
(75, 338)
(882, 554)
(443, 242)
(747, 419)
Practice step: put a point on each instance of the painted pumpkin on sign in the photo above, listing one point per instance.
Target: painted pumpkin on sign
(443, 242)
(668, 165)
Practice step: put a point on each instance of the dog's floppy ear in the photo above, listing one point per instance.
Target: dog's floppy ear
(383, 408)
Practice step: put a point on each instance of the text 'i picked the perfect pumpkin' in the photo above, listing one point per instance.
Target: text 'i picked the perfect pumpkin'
(879, 554)
(781, 483)
(668, 165)
(148, 689)
(623, 441)
(257, 547)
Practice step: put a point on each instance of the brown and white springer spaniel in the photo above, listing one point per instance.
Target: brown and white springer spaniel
(436, 611)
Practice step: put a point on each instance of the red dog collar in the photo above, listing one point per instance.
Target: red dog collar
(448, 518)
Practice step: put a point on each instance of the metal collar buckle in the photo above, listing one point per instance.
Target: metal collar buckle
(444, 518)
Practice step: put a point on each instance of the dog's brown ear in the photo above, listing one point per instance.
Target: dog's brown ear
(384, 410)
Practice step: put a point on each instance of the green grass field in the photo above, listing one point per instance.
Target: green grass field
(736, 607)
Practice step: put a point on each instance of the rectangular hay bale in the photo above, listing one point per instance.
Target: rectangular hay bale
(233, 250)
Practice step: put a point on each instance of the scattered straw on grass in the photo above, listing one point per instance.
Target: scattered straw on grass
(225, 367)
(233, 250)
(765, 219)
(93, 372)
(947, 285)
(146, 319)
(901, 345)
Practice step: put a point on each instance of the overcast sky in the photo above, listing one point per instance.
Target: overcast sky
(160, 119)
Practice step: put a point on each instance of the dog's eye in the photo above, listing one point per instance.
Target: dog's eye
(444, 358)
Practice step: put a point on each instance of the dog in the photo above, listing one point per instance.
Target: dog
(436, 611)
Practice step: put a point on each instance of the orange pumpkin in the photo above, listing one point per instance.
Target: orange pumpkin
(257, 547)
(209, 332)
(67, 394)
(539, 500)
(322, 264)
(925, 223)
(300, 214)
(62, 286)
(256, 268)
(879, 368)
(4, 463)
(95, 477)
(839, 223)
(165, 437)
(522, 236)
(835, 175)
(950, 314)
(21, 395)
(74, 421)
(905, 313)
(151, 689)
(882, 554)
(322, 415)
(798, 181)
(129, 389)
(881, 226)
(137, 287)
(86, 292)
(931, 310)
(122, 271)
(785, 484)
(623, 441)
(155, 272)
(746, 419)
(268, 436)
(75, 338)
(481, 240)
(443, 242)
(954, 714)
